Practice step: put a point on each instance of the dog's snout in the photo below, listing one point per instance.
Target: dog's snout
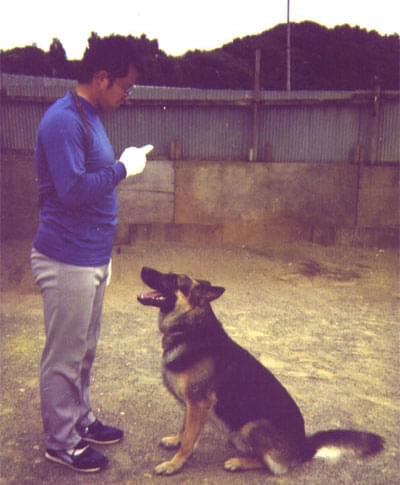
(150, 276)
(146, 271)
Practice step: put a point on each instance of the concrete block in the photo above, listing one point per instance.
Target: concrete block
(146, 207)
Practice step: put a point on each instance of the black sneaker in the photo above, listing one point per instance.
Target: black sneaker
(98, 433)
(82, 458)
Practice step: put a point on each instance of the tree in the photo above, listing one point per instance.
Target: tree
(57, 59)
(28, 60)
(93, 37)
(341, 58)
(215, 70)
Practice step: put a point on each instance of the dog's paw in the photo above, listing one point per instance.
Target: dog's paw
(233, 465)
(167, 468)
(170, 442)
(243, 463)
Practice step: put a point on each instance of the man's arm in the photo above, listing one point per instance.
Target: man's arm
(62, 141)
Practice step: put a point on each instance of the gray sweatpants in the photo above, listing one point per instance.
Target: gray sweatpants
(73, 299)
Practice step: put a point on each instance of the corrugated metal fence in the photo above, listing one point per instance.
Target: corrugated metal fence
(195, 124)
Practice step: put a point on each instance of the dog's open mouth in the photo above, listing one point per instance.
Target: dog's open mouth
(163, 289)
(152, 298)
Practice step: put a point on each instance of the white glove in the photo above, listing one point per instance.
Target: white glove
(134, 159)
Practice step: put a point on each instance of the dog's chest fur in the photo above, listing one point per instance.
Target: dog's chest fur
(188, 363)
(194, 382)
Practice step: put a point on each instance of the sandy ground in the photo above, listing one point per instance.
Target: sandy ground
(324, 320)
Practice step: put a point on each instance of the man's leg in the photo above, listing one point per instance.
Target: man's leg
(69, 296)
(86, 416)
(90, 428)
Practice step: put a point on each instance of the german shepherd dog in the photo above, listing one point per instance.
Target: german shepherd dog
(211, 374)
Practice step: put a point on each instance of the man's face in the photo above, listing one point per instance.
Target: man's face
(112, 94)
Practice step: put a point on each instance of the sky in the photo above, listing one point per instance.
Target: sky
(178, 25)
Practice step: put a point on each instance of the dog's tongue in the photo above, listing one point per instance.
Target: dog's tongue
(153, 298)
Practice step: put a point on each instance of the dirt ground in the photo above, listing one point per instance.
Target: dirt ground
(323, 319)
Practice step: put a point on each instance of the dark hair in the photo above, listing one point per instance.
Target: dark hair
(114, 54)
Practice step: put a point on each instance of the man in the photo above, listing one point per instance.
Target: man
(71, 255)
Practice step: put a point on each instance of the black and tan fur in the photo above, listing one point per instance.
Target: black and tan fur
(211, 374)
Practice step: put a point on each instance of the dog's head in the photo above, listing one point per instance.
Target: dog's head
(172, 291)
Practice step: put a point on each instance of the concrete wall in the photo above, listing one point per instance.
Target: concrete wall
(252, 203)
(253, 192)
(19, 200)
(379, 197)
(232, 202)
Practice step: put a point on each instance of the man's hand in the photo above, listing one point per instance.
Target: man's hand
(134, 159)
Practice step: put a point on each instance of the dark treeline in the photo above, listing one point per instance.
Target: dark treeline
(340, 58)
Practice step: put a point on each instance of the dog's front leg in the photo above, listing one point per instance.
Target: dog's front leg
(174, 441)
(195, 417)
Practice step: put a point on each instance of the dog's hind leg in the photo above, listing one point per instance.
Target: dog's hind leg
(242, 463)
(195, 417)
(270, 449)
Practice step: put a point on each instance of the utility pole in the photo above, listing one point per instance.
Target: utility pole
(288, 50)
(253, 155)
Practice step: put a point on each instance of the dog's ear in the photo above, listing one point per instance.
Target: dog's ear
(211, 293)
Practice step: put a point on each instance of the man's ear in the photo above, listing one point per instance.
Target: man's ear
(102, 79)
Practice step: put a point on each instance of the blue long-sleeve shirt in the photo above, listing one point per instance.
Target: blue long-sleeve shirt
(77, 176)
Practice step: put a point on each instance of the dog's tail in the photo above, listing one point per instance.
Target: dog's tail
(333, 443)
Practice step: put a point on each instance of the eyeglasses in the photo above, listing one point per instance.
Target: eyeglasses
(127, 91)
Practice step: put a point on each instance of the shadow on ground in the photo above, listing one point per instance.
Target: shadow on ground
(324, 320)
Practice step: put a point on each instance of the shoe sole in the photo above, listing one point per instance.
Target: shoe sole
(97, 442)
(82, 470)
